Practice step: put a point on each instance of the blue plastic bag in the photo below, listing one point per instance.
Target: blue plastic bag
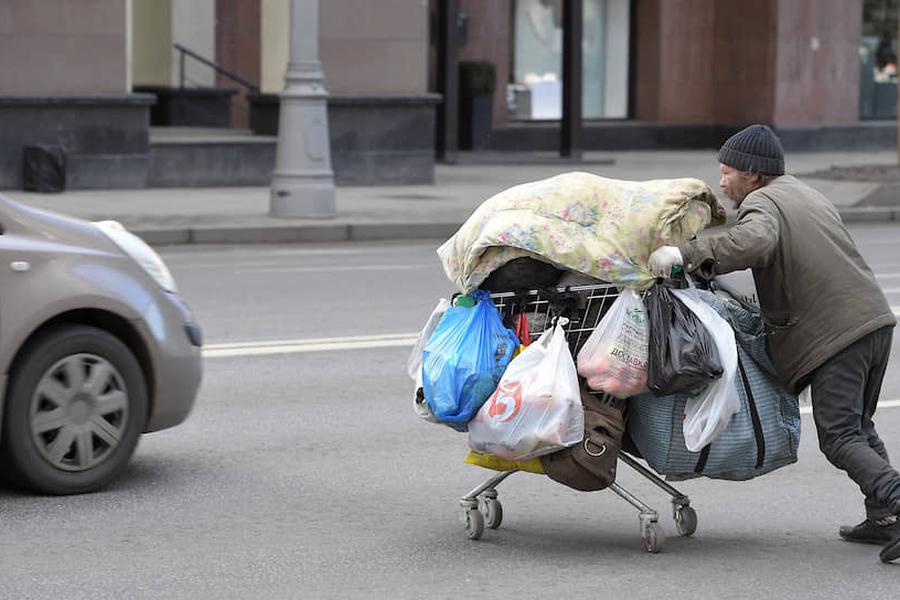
(464, 360)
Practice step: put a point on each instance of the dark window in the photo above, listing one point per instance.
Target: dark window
(878, 60)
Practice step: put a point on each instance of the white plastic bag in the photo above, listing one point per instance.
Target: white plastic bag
(536, 409)
(414, 362)
(419, 405)
(741, 286)
(707, 414)
(614, 357)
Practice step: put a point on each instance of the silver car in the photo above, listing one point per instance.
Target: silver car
(96, 347)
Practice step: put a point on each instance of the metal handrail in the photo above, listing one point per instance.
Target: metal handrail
(233, 76)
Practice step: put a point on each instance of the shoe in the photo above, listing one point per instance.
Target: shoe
(871, 531)
(891, 552)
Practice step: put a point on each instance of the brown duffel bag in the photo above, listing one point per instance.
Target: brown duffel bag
(590, 465)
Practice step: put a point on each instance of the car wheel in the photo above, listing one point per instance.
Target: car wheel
(75, 408)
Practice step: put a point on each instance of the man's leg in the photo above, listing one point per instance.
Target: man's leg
(874, 509)
(844, 394)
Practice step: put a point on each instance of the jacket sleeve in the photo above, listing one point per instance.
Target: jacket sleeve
(749, 243)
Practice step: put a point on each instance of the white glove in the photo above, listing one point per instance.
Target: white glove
(663, 259)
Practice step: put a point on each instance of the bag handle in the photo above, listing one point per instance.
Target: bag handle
(603, 448)
(562, 304)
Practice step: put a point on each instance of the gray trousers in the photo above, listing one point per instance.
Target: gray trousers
(844, 395)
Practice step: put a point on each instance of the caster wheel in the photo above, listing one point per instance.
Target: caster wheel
(474, 524)
(686, 521)
(652, 538)
(493, 513)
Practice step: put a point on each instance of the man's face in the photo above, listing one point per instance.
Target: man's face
(735, 184)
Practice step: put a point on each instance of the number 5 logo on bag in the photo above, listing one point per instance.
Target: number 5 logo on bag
(506, 402)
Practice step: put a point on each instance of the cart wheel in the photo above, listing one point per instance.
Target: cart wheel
(474, 524)
(652, 538)
(685, 520)
(493, 513)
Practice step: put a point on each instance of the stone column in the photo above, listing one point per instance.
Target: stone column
(303, 182)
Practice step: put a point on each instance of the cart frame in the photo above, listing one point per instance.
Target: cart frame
(584, 306)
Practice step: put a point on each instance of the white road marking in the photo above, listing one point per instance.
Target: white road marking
(252, 252)
(358, 342)
(806, 410)
(323, 344)
(330, 269)
(271, 266)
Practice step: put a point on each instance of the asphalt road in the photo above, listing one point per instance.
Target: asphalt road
(303, 472)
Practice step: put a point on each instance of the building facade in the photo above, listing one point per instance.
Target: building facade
(685, 72)
(107, 81)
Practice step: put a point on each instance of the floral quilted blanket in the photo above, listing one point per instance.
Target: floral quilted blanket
(603, 228)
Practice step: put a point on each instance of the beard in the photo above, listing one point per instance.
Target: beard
(737, 193)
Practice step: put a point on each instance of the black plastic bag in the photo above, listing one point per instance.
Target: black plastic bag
(682, 354)
(522, 273)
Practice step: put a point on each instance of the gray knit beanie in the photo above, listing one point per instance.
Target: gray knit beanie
(754, 148)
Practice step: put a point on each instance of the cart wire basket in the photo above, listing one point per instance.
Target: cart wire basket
(584, 306)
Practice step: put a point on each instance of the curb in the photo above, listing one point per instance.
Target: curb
(368, 232)
(869, 214)
(279, 234)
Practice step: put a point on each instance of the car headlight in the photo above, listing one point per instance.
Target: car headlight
(138, 250)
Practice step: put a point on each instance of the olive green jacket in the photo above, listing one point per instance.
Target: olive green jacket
(816, 293)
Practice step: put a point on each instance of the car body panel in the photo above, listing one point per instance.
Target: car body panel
(51, 265)
(177, 362)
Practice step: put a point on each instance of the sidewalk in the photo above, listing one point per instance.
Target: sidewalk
(240, 215)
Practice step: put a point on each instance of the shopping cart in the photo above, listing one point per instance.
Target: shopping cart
(584, 306)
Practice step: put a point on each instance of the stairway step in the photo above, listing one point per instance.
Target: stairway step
(228, 162)
(205, 135)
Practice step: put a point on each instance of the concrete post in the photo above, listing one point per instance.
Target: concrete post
(303, 182)
(447, 79)
(570, 125)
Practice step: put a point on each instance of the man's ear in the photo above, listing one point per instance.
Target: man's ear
(754, 179)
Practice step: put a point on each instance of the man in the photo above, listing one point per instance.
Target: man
(828, 323)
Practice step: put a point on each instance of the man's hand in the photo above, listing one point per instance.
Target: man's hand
(663, 259)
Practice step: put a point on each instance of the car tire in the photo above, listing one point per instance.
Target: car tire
(75, 407)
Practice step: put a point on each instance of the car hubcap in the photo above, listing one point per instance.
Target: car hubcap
(79, 412)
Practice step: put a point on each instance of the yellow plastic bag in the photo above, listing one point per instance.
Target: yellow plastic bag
(489, 461)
